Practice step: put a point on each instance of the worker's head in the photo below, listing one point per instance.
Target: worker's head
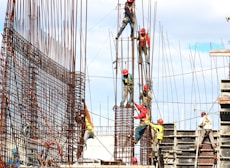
(130, 1)
(203, 113)
(142, 31)
(134, 160)
(14, 151)
(160, 121)
(125, 72)
(145, 88)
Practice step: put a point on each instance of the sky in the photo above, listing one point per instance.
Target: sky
(188, 29)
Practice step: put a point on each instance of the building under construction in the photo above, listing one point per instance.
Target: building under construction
(43, 83)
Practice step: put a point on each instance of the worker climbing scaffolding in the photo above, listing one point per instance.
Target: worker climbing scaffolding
(85, 118)
(158, 131)
(144, 122)
(89, 130)
(127, 79)
(128, 18)
(144, 118)
(146, 97)
(43, 157)
(14, 161)
(143, 46)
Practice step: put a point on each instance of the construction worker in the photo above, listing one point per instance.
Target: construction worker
(128, 18)
(143, 46)
(134, 161)
(158, 130)
(43, 156)
(14, 161)
(89, 132)
(127, 79)
(205, 124)
(146, 97)
(144, 120)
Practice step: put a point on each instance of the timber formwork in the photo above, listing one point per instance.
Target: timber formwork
(40, 101)
(224, 142)
(178, 149)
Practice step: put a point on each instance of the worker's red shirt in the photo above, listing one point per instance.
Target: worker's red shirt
(143, 40)
(142, 115)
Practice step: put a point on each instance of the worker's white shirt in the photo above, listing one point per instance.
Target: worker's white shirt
(206, 122)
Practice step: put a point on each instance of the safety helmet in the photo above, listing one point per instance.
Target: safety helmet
(130, 1)
(142, 31)
(125, 72)
(145, 88)
(134, 159)
(14, 151)
(160, 121)
(203, 113)
(48, 143)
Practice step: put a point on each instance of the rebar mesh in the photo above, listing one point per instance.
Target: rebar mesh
(40, 101)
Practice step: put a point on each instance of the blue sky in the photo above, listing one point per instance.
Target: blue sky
(188, 29)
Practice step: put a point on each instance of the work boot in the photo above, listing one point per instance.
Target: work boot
(140, 60)
(215, 149)
(147, 59)
(128, 105)
(121, 105)
(135, 141)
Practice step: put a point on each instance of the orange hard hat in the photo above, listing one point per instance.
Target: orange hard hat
(203, 113)
(145, 88)
(125, 71)
(142, 31)
(134, 159)
(160, 121)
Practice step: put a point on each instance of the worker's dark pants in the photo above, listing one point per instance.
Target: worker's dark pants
(88, 134)
(139, 131)
(145, 50)
(127, 89)
(125, 21)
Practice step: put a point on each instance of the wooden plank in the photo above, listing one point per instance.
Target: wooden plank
(219, 52)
